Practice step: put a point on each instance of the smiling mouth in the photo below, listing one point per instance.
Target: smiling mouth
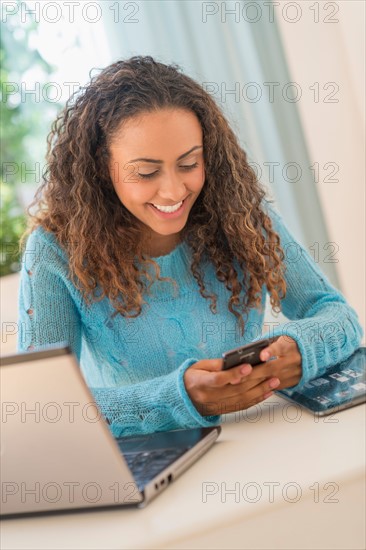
(169, 209)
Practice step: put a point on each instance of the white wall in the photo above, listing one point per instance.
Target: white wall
(334, 52)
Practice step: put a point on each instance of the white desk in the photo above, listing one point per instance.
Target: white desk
(296, 458)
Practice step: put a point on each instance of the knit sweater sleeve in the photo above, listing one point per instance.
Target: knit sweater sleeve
(325, 328)
(48, 314)
(158, 404)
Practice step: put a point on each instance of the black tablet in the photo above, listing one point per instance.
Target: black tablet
(341, 387)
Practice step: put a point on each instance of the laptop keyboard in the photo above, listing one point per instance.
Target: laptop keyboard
(147, 464)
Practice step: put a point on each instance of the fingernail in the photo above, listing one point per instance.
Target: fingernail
(245, 369)
(274, 383)
(265, 355)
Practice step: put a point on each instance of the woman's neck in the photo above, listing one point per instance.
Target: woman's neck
(161, 245)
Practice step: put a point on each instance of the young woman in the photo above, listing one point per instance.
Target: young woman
(152, 251)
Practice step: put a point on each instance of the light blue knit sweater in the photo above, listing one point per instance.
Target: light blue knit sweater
(134, 367)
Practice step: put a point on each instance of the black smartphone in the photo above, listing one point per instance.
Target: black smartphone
(246, 354)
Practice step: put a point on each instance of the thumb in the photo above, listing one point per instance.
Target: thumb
(273, 350)
(209, 364)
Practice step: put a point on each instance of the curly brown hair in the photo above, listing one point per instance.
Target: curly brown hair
(78, 203)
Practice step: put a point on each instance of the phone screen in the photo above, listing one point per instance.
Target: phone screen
(341, 387)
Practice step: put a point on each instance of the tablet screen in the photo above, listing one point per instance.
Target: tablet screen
(341, 386)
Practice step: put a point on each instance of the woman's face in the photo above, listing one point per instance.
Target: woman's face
(156, 163)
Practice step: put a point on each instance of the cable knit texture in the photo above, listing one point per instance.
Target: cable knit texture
(134, 367)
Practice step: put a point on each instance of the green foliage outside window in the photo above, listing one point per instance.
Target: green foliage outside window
(13, 223)
(25, 122)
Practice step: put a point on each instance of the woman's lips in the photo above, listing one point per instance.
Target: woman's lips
(169, 215)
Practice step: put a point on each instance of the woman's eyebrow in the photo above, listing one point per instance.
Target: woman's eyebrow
(161, 161)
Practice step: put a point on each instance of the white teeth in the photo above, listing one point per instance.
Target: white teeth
(169, 209)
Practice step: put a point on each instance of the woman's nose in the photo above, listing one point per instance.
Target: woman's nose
(172, 189)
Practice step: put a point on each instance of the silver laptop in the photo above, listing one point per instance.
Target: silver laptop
(57, 452)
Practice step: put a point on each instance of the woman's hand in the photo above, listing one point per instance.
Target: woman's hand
(287, 363)
(214, 391)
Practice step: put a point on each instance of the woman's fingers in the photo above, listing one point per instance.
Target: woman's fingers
(283, 346)
(209, 371)
(246, 398)
(232, 398)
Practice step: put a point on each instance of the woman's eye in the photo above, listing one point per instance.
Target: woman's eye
(152, 174)
(190, 166)
(148, 175)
